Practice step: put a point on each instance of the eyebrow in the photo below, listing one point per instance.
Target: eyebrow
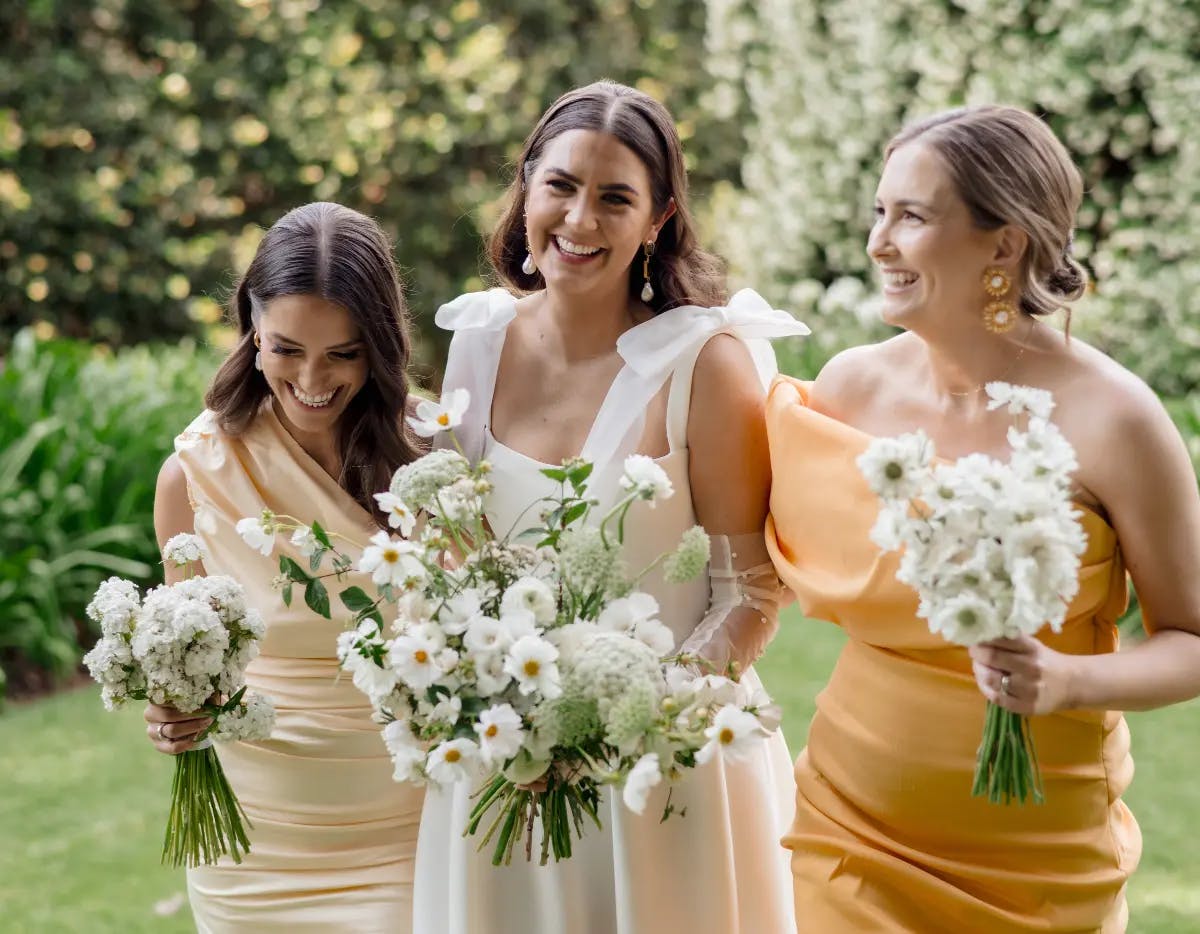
(346, 345)
(613, 186)
(910, 203)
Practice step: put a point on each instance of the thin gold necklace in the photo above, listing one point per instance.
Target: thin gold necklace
(1007, 373)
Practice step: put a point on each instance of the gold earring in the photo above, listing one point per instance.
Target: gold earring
(999, 315)
(257, 353)
(647, 288)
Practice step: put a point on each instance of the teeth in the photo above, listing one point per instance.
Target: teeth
(899, 278)
(576, 249)
(314, 402)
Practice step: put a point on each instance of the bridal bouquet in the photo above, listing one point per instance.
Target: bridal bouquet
(186, 645)
(529, 660)
(992, 549)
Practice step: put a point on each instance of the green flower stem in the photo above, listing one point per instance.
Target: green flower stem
(291, 523)
(205, 820)
(621, 507)
(1006, 765)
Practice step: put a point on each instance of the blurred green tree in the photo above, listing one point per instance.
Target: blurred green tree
(144, 146)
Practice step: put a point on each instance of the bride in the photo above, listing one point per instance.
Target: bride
(621, 342)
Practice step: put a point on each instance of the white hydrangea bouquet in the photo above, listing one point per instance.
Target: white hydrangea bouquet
(187, 645)
(530, 660)
(992, 550)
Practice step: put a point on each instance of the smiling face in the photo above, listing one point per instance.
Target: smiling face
(313, 359)
(588, 211)
(929, 252)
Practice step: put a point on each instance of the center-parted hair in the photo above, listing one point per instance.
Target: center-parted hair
(1010, 168)
(680, 271)
(335, 253)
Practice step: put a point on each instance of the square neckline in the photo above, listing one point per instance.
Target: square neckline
(608, 396)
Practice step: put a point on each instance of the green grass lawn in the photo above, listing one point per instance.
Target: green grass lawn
(83, 795)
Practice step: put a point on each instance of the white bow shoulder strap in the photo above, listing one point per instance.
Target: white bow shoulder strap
(478, 320)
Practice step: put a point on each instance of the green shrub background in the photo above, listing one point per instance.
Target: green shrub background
(145, 146)
(83, 432)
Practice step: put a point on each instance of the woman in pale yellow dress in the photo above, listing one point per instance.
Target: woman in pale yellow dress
(304, 418)
(887, 836)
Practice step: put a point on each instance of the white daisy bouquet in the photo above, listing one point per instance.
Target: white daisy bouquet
(187, 645)
(991, 548)
(529, 664)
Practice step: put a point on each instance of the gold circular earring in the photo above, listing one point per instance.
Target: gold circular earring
(1000, 315)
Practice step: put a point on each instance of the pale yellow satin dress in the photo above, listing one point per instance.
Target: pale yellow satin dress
(887, 836)
(333, 835)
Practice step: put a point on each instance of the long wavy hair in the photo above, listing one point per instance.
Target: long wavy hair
(330, 251)
(680, 271)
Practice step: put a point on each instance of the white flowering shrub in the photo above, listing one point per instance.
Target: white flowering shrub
(821, 86)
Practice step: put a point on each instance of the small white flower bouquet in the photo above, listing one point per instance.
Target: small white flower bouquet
(537, 666)
(992, 550)
(187, 645)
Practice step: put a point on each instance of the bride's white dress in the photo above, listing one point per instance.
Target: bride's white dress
(720, 868)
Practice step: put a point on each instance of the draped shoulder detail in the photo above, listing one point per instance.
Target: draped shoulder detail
(654, 348)
(485, 311)
(233, 477)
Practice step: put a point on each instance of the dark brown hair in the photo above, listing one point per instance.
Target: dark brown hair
(681, 272)
(328, 250)
(1010, 168)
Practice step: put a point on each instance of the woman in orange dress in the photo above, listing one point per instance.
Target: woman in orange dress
(887, 836)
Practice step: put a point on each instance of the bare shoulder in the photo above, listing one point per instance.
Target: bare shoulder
(172, 482)
(172, 505)
(1120, 429)
(724, 363)
(1114, 401)
(727, 399)
(852, 378)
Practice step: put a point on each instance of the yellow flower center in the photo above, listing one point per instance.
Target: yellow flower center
(453, 755)
(726, 736)
(443, 419)
(491, 731)
(532, 667)
(421, 656)
(391, 555)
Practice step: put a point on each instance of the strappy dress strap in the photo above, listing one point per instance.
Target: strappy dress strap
(479, 321)
(667, 347)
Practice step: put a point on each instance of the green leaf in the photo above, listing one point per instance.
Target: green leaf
(578, 475)
(370, 613)
(356, 599)
(292, 571)
(558, 474)
(287, 594)
(321, 535)
(317, 598)
(315, 559)
(574, 513)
